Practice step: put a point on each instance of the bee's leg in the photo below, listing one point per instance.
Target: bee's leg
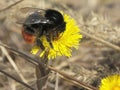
(39, 43)
(55, 35)
(49, 39)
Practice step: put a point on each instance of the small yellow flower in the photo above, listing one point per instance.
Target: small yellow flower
(62, 45)
(110, 83)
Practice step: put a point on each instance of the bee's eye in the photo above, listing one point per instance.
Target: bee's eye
(54, 16)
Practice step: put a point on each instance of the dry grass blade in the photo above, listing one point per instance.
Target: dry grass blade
(73, 80)
(71, 60)
(12, 84)
(76, 83)
(17, 80)
(13, 63)
(57, 81)
(69, 78)
(11, 5)
(101, 41)
(28, 58)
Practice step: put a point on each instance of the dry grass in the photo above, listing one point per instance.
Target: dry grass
(91, 62)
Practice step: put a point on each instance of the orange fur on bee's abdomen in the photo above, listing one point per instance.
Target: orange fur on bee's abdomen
(29, 38)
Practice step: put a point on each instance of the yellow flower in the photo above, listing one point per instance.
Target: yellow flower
(110, 83)
(63, 44)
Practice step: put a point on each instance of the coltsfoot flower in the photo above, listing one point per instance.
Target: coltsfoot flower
(62, 45)
(110, 83)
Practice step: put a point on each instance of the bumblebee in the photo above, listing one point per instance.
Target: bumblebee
(41, 22)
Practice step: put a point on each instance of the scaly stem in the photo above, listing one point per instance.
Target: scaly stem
(42, 73)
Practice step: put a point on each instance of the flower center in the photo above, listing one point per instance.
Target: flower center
(116, 87)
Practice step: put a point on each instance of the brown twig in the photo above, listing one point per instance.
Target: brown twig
(22, 54)
(11, 5)
(73, 80)
(26, 85)
(13, 63)
(76, 83)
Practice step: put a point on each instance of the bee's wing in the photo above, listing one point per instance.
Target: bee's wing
(27, 11)
(31, 9)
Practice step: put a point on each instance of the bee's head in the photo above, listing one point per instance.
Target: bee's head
(55, 17)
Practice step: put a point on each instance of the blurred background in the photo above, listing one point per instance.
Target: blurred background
(91, 62)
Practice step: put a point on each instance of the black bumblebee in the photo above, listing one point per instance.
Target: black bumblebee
(42, 22)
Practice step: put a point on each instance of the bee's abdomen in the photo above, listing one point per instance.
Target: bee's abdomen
(29, 38)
